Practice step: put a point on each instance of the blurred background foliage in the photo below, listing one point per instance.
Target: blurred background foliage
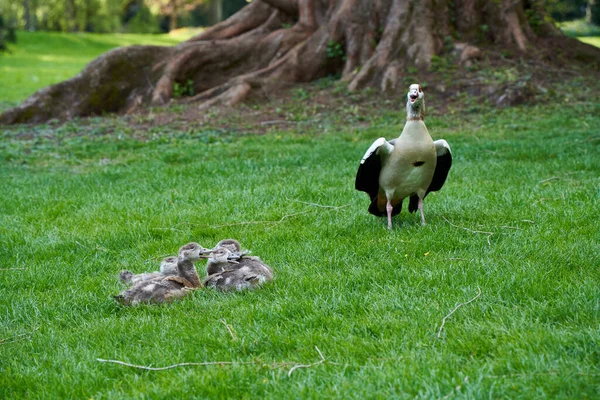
(575, 17)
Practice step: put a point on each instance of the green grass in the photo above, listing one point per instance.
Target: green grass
(83, 200)
(587, 33)
(594, 41)
(39, 59)
(579, 27)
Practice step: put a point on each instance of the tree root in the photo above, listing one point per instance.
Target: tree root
(276, 42)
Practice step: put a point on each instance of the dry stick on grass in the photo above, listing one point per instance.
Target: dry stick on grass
(199, 364)
(11, 269)
(317, 204)
(229, 329)
(261, 222)
(456, 308)
(489, 234)
(22, 336)
(295, 367)
(548, 180)
(272, 223)
(186, 364)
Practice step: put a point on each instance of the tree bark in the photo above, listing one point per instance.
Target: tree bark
(592, 12)
(173, 15)
(27, 15)
(275, 42)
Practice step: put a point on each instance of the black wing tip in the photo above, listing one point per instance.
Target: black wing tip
(442, 168)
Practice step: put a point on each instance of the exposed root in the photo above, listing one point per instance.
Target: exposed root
(276, 42)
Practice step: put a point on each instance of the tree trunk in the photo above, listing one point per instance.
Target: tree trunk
(27, 15)
(215, 14)
(173, 15)
(592, 12)
(274, 42)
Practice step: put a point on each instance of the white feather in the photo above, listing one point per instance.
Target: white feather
(377, 144)
(442, 147)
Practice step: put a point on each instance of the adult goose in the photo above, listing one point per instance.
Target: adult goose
(168, 288)
(410, 166)
(247, 273)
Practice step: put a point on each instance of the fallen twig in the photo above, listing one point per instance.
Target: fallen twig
(11, 269)
(489, 234)
(525, 374)
(207, 363)
(229, 329)
(317, 204)
(271, 222)
(22, 336)
(186, 364)
(456, 308)
(283, 218)
(295, 367)
(548, 180)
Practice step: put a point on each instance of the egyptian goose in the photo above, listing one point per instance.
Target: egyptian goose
(410, 166)
(235, 253)
(168, 288)
(168, 266)
(247, 273)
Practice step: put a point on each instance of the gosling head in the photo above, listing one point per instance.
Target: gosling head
(192, 252)
(230, 244)
(168, 261)
(220, 255)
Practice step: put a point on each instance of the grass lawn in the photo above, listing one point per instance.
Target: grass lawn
(593, 40)
(39, 59)
(517, 222)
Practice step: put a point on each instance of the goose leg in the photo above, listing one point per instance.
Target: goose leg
(421, 210)
(389, 208)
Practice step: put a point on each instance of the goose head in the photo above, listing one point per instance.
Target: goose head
(220, 255)
(230, 244)
(192, 252)
(415, 104)
(167, 262)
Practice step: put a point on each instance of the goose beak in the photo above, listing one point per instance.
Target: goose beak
(205, 253)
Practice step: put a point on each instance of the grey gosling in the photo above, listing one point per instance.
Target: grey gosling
(168, 288)
(235, 253)
(246, 273)
(410, 166)
(168, 266)
(234, 247)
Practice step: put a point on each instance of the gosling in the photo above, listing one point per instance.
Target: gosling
(164, 289)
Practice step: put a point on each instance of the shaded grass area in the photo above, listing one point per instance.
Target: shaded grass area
(587, 33)
(39, 59)
(579, 27)
(517, 219)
